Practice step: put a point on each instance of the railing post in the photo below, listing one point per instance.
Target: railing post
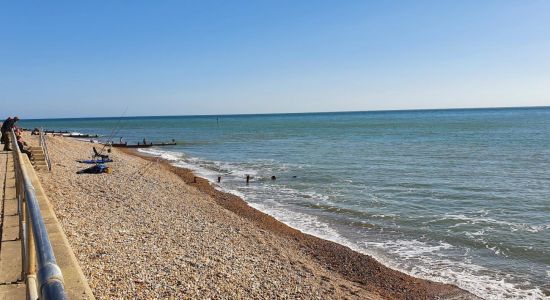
(31, 263)
(44, 146)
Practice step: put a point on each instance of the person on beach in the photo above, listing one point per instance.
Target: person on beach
(23, 145)
(7, 126)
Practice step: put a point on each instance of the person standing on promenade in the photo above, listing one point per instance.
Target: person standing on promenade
(6, 127)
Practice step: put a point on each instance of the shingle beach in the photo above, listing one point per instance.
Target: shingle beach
(146, 231)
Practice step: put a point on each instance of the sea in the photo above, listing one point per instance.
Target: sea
(460, 196)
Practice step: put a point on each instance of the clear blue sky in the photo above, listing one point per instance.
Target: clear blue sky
(95, 58)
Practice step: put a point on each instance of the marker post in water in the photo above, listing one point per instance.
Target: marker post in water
(247, 179)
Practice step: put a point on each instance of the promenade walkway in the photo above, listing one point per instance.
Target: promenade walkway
(12, 278)
(11, 284)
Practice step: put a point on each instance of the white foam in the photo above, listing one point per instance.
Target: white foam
(306, 223)
(315, 195)
(168, 155)
(426, 261)
(486, 220)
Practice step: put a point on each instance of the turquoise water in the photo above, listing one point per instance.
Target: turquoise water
(459, 196)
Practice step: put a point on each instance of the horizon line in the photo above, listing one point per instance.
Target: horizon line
(298, 113)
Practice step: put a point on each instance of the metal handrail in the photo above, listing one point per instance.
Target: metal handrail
(44, 147)
(38, 257)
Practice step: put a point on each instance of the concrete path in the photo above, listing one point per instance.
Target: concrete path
(11, 283)
(11, 286)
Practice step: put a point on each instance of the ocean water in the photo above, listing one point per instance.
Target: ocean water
(458, 196)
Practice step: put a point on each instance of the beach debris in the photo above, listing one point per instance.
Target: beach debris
(97, 169)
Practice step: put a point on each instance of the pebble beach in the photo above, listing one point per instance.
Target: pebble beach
(148, 231)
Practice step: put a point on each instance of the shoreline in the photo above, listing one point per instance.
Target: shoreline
(354, 266)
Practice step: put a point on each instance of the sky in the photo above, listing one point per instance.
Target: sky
(109, 58)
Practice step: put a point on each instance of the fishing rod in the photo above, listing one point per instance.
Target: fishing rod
(114, 130)
(99, 166)
(145, 168)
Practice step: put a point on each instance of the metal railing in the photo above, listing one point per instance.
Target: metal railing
(40, 270)
(44, 147)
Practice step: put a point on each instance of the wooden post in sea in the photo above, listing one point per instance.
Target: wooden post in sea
(247, 179)
(219, 179)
